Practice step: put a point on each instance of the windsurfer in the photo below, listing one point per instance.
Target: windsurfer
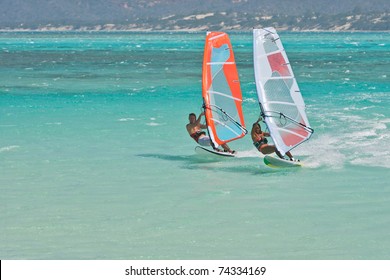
(194, 128)
(261, 143)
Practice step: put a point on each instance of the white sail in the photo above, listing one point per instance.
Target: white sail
(281, 102)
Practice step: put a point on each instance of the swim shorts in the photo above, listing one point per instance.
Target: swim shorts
(204, 141)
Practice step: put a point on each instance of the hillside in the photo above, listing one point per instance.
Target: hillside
(194, 14)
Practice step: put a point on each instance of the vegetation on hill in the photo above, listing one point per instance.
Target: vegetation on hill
(195, 14)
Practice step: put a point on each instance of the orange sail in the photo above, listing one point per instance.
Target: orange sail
(221, 90)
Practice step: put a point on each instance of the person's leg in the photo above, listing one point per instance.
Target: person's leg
(204, 141)
(227, 149)
(269, 149)
(291, 157)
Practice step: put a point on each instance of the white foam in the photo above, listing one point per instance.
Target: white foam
(360, 135)
(8, 148)
(250, 100)
(354, 108)
(154, 124)
(358, 141)
(126, 119)
(322, 151)
(249, 154)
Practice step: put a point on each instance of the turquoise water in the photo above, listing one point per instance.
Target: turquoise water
(95, 161)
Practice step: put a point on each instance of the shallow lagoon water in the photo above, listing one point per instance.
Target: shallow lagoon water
(96, 163)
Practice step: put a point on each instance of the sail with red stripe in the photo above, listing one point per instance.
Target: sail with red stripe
(221, 90)
(281, 102)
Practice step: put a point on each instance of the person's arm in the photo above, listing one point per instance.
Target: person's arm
(199, 118)
(258, 120)
(202, 126)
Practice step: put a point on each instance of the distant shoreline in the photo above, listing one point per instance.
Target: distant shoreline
(184, 30)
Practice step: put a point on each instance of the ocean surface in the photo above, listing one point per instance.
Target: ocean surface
(96, 163)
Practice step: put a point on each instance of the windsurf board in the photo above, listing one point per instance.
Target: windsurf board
(278, 162)
(206, 152)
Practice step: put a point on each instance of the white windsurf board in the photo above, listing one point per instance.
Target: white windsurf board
(206, 152)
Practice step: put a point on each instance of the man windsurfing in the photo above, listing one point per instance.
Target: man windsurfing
(194, 129)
